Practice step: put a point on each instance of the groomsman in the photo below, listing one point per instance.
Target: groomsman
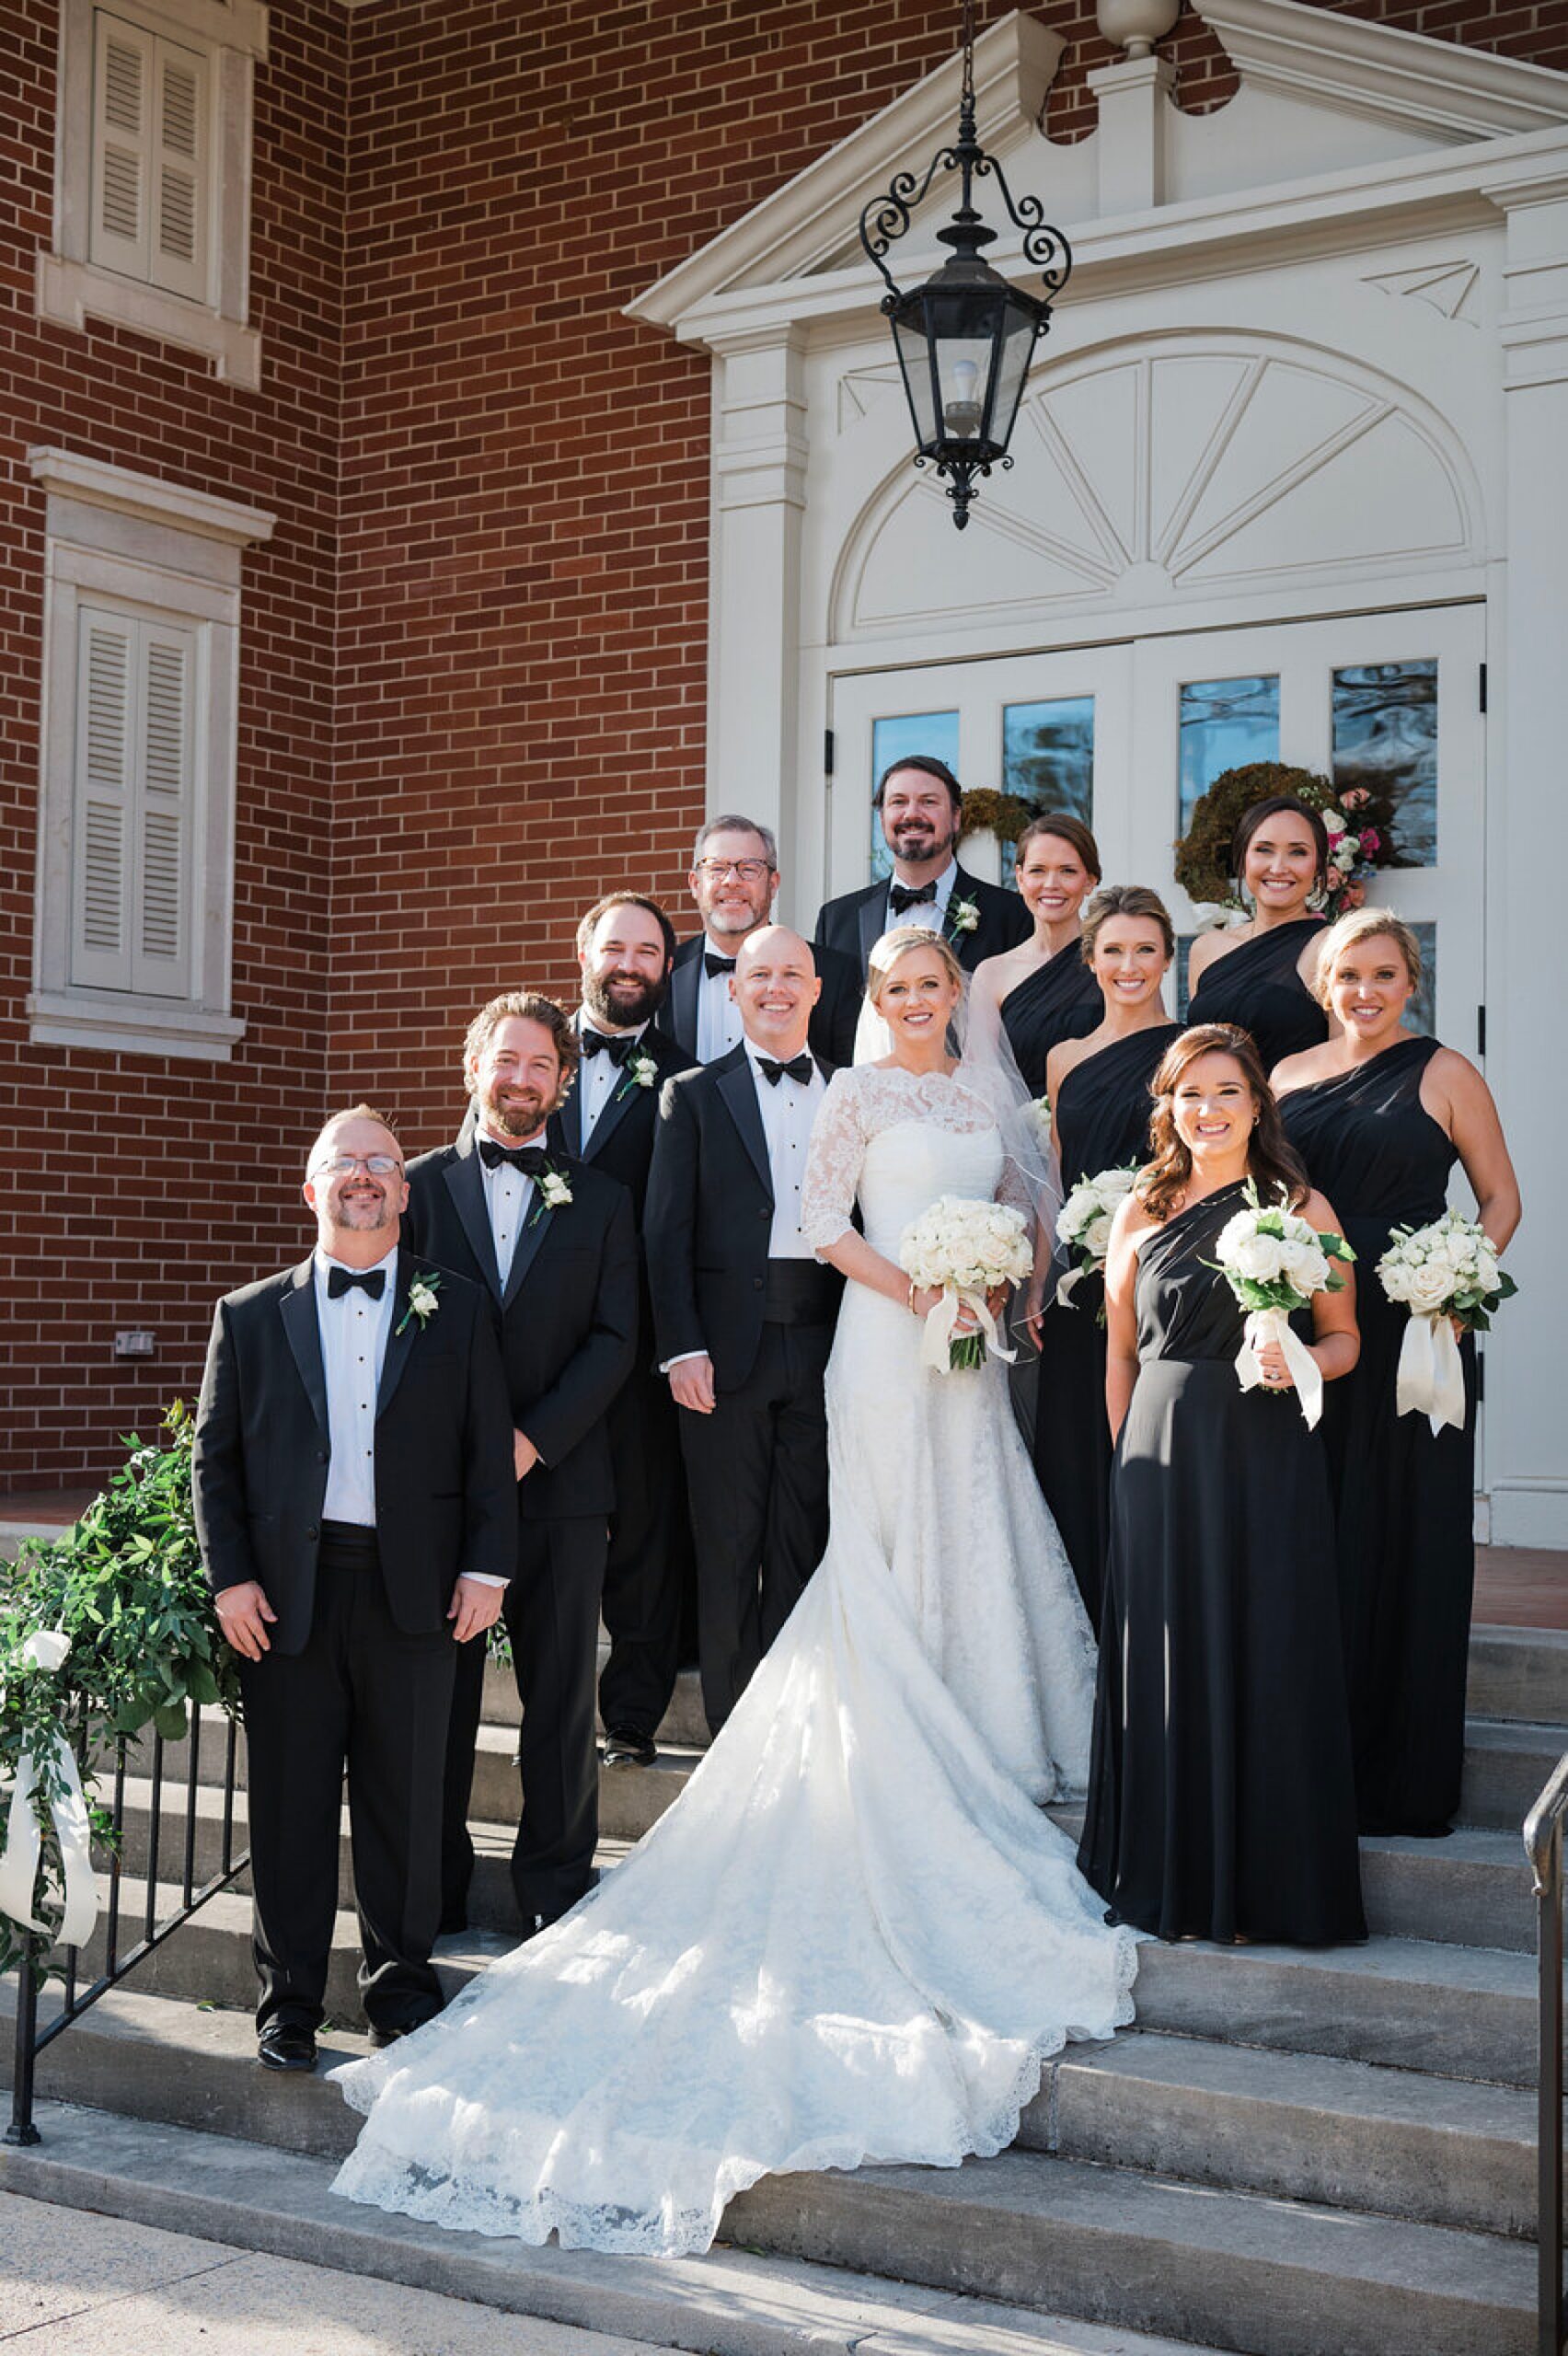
(744, 1312)
(352, 1493)
(734, 881)
(552, 1241)
(920, 801)
(624, 945)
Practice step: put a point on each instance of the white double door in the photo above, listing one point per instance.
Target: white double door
(1127, 735)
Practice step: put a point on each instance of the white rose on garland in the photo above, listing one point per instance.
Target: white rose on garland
(1300, 1262)
(1443, 1273)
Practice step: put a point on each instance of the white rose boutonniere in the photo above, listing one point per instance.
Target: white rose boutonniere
(554, 1194)
(962, 917)
(642, 1071)
(423, 1300)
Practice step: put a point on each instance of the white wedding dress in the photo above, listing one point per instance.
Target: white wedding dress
(855, 1938)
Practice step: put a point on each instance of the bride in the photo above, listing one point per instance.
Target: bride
(855, 1938)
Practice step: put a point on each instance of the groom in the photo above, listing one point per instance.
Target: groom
(921, 804)
(744, 1312)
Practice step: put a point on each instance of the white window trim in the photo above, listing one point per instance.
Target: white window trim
(153, 549)
(70, 287)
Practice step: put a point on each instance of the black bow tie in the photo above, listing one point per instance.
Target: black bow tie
(798, 1067)
(342, 1280)
(530, 1161)
(599, 1043)
(909, 896)
(713, 963)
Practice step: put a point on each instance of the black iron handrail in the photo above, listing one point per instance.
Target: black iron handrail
(1543, 1846)
(30, 2041)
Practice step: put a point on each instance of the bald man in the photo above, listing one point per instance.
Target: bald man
(744, 1312)
(356, 1508)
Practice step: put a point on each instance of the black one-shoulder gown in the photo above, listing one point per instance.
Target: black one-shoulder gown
(1061, 999)
(1257, 984)
(1102, 1116)
(1404, 1501)
(1221, 1800)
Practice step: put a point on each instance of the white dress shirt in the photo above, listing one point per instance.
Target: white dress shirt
(354, 1330)
(787, 1111)
(509, 1198)
(598, 1077)
(718, 1026)
(932, 914)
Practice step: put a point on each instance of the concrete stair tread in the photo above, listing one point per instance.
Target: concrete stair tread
(733, 2302)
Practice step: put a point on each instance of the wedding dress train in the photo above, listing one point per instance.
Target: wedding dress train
(855, 1938)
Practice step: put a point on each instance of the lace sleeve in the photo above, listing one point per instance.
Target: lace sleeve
(832, 1165)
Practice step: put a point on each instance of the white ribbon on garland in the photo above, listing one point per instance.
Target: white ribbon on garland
(46, 1650)
(1265, 1325)
(1430, 1378)
(938, 1335)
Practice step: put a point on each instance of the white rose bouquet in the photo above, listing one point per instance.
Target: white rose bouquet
(966, 1250)
(1443, 1272)
(1083, 1224)
(1274, 1263)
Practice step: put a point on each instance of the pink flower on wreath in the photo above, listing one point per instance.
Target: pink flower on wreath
(1371, 841)
(1354, 799)
(1352, 896)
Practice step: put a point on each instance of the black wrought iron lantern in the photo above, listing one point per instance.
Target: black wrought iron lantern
(964, 339)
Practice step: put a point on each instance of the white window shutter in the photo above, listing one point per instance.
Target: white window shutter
(182, 172)
(161, 961)
(103, 817)
(123, 57)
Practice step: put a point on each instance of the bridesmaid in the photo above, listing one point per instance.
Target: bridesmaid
(1222, 1801)
(1099, 1115)
(1380, 1116)
(1042, 988)
(1262, 974)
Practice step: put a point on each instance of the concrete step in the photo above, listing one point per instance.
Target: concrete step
(1507, 1764)
(1519, 1673)
(1294, 2126)
(631, 1799)
(733, 2302)
(684, 1722)
(1471, 1890)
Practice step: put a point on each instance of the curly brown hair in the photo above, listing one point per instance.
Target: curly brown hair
(1272, 1161)
(533, 1007)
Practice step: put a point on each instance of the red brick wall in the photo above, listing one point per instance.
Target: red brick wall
(136, 1188)
(493, 488)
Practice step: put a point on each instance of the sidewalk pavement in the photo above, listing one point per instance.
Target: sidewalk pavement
(83, 2285)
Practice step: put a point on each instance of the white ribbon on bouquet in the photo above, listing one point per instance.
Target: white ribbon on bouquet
(46, 1650)
(1265, 1325)
(938, 1335)
(1430, 1378)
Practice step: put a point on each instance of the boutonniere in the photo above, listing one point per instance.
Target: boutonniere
(554, 1194)
(642, 1071)
(423, 1300)
(962, 917)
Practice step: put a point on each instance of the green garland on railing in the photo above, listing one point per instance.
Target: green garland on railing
(125, 1587)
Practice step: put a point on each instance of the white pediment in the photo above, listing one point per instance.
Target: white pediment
(1321, 95)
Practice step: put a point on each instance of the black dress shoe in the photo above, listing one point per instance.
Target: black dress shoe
(625, 1746)
(285, 2045)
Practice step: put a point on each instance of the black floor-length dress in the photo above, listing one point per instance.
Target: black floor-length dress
(1102, 1116)
(1257, 984)
(1221, 1800)
(1061, 999)
(1403, 1499)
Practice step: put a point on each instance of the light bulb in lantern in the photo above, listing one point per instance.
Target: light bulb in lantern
(962, 413)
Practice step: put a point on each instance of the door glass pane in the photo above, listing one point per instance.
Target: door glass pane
(1386, 739)
(1048, 760)
(1223, 725)
(1421, 1014)
(935, 734)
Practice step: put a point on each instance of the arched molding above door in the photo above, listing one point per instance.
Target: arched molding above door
(1162, 470)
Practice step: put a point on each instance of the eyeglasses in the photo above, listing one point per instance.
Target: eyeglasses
(750, 870)
(375, 1165)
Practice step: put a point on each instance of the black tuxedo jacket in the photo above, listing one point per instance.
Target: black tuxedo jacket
(444, 1486)
(709, 1217)
(855, 923)
(834, 1016)
(566, 1314)
(621, 1144)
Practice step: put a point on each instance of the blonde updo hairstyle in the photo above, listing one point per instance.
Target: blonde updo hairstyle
(1364, 924)
(897, 943)
(1125, 900)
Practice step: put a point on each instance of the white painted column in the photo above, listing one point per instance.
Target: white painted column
(1135, 95)
(1526, 1400)
(753, 633)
